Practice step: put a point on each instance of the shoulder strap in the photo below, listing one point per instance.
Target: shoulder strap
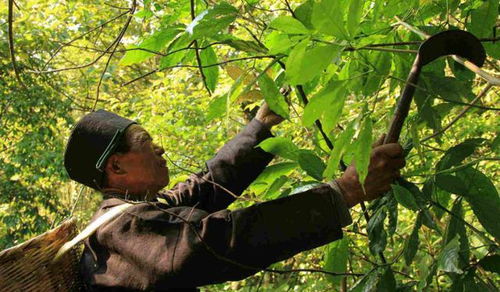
(91, 228)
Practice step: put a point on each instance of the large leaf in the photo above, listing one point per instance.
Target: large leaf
(270, 174)
(484, 18)
(304, 13)
(155, 43)
(217, 107)
(483, 199)
(339, 148)
(363, 148)
(354, 16)
(455, 155)
(328, 102)
(288, 25)
(376, 232)
(274, 99)
(411, 243)
(328, 17)
(304, 64)
(336, 254)
(452, 184)
(448, 258)
(312, 164)
(212, 21)
(405, 197)
(208, 57)
(278, 43)
(456, 227)
(280, 146)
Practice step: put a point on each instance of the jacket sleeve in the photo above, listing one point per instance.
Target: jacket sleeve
(229, 173)
(188, 247)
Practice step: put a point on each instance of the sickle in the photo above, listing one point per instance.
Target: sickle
(451, 42)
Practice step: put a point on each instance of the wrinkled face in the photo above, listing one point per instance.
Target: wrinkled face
(145, 169)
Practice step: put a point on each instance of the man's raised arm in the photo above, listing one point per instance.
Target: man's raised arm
(231, 171)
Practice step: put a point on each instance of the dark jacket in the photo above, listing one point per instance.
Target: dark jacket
(187, 238)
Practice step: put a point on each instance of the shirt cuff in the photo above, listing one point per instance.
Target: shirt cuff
(340, 205)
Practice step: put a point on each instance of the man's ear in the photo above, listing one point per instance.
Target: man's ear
(114, 165)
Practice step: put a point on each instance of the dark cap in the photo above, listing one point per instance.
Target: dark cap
(93, 139)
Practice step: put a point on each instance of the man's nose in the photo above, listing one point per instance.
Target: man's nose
(159, 150)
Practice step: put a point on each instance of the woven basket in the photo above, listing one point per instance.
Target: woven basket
(29, 266)
(49, 262)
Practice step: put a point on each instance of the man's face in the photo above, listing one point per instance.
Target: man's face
(145, 169)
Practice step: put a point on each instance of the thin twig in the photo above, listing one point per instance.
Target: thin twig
(116, 44)
(197, 52)
(194, 66)
(81, 36)
(460, 115)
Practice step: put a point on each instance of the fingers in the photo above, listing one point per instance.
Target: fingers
(392, 150)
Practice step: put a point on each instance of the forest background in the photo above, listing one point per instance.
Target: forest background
(193, 73)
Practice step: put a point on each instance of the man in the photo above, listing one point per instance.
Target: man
(192, 239)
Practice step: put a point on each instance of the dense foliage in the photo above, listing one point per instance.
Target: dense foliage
(193, 73)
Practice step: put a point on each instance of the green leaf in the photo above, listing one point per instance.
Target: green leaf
(304, 12)
(381, 62)
(339, 147)
(483, 19)
(329, 102)
(274, 99)
(491, 263)
(328, 18)
(404, 197)
(212, 21)
(411, 243)
(336, 254)
(303, 65)
(457, 227)
(245, 46)
(181, 41)
(278, 43)
(387, 282)
(448, 258)
(270, 174)
(483, 199)
(363, 148)
(273, 190)
(455, 155)
(451, 183)
(217, 107)
(208, 57)
(312, 164)
(280, 146)
(155, 42)
(376, 232)
(354, 16)
(288, 25)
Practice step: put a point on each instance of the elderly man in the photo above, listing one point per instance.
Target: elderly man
(188, 238)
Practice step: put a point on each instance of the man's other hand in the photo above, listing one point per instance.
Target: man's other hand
(267, 117)
(385, 164)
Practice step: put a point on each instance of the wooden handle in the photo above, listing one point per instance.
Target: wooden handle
(404, 103)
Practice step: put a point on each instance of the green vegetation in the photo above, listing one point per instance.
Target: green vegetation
(192, 73)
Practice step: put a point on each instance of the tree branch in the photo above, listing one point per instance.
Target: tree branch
(81, 36)
(194, 66)
(116, 43)
(460, 115)
(11, 43)
(197, 52)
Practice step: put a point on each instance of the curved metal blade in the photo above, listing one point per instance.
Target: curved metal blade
(452, 42)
